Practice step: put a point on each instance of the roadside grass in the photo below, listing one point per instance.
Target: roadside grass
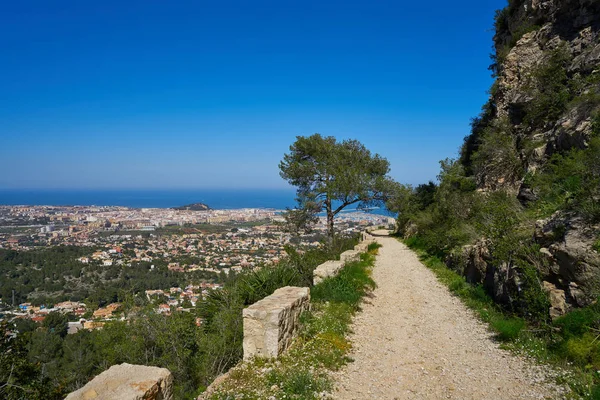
(566, 344)
(320, 347)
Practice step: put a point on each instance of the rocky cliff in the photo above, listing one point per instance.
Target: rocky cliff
(545, 102)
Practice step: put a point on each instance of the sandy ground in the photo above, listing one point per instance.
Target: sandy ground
(414, 340)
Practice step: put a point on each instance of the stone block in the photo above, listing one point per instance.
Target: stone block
(128, 382)
(362, 247)
(349, 256)
(326, 270)
(269, 324)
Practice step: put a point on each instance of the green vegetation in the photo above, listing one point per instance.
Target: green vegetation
(513, 301)
(550, 89)
(332, 175)
(46, 363)
(50, 275)
(497, 154)
(571, 342)
(321, 346)
(571, 181)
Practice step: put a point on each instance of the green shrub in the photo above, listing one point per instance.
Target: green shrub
(297, 382)
(258, 284)
(508, 329)
(571, 181)
(550, 89)
(578, 322)
(531, 299)
(373, 246)
(596, 245)
(348, 286)
(584, 350)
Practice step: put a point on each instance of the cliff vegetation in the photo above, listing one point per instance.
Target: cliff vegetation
(517, 214)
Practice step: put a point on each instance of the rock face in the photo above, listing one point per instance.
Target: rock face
(477, 266)
(573, 264)
(269, 324)
(545, 98)
(528, 34)
(128, 382)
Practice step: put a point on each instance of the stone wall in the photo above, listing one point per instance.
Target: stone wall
(326, 270)
(332, 268)
(128, 382)
(269, 324)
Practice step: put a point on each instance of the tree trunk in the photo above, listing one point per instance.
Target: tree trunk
(330, 215)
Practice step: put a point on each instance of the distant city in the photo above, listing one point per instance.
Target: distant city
(200, 247)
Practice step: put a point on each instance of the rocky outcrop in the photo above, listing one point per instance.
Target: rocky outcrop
(546, 98)
(573, 265)
(529, 35)
(128, 382)
(569, 264)
(269, 324)
(476, 265)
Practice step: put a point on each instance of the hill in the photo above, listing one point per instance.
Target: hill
(519, 211)
(193, 207)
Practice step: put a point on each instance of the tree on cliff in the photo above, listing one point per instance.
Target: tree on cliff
(331, 175)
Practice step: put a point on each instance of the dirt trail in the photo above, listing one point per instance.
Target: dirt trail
(414, 340)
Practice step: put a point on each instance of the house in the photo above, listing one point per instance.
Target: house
(164, 309)
(106, 312)
(89, 325)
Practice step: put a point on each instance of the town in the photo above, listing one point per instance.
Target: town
(199, 248)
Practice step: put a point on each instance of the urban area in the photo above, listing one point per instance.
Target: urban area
(78, 260)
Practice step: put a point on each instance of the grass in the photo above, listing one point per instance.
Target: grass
(320, 347)
(571, 343)
(596, 246)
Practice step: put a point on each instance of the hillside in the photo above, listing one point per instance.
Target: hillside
(537, 141)
(193, 207)
(544, 106)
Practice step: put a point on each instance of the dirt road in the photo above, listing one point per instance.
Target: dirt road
(414, 340)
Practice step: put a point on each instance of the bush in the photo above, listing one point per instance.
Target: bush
(578, 322)
(348, 287)
(508, 329)
(584, 351)
(571, 181)
(497, 156)
(596, 245)
(550, 89)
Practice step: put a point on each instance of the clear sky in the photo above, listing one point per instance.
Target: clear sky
(210, 94)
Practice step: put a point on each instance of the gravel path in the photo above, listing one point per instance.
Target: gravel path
(414, 340)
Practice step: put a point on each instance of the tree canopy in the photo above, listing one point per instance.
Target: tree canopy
(331, 175)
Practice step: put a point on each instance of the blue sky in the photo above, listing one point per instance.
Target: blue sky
(199, 94)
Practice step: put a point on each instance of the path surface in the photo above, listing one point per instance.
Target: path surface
(414, 340)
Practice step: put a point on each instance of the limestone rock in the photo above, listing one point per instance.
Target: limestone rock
(558, 300)
(568, 245)
(269, 324)
(128, 382)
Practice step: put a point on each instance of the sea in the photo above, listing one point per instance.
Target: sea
(217, 199)
(221, 199)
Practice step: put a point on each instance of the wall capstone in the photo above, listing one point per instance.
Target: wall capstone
(128, 382)
(349, 256)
